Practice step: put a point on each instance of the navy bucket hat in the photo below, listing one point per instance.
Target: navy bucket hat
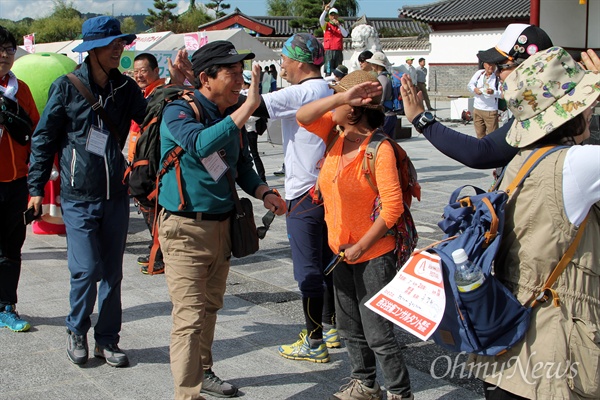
(101, 31)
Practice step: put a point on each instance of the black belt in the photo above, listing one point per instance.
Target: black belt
(203, 216)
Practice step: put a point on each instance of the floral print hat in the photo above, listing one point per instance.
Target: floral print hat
(546, 91)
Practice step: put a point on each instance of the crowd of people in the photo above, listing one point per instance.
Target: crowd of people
(325, 129)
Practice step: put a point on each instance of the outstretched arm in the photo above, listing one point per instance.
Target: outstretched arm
(490, 152)
(359, 95)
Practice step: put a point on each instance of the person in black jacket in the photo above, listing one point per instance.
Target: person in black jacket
(95, 202)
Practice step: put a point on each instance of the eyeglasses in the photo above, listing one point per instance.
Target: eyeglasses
(267, 219)
(502, 67)
(117, 44)
(9, 50)
(141, 71)
(338, 258)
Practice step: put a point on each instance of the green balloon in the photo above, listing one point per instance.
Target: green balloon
(39, 70)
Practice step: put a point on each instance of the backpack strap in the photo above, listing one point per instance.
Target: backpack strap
(172, 159)
(410, 187)
(530, 163)
(547, 291)
(96, 105)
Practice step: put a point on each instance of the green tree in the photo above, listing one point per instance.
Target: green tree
(308, 11)
(191, 19)
(128, 25)
(280, 8)
(218, 6)
(63, 24)
(18, 29)
(163, 18)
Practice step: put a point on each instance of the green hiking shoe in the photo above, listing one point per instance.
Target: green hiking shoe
(301, 350)
(331, 338)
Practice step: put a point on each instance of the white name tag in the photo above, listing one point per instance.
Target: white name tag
(215, 166)
(96, 141)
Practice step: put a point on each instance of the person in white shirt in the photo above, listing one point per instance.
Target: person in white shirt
(485, 86)
(410, 70)
(302, 57)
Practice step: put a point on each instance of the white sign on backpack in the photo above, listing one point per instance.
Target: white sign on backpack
(415, 299)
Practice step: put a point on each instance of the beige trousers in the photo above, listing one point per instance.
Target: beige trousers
(485, 122)
(196, 255)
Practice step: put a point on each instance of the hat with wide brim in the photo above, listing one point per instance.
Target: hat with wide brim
(544, 92)
(379, 58)
(519, 41)
(356, 78)
(101, 31)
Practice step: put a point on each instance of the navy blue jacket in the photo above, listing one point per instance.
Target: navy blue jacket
(64, 128)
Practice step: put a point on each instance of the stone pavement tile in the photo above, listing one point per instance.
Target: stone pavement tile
(63, 390)
(36, 369)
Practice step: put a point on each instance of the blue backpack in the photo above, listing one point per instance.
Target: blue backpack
(395, 103)
(488, 320)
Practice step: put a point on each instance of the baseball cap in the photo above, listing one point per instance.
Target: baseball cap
(341, 71)
(333, 10)
(220, 52)
(409, 58)
(517, 41)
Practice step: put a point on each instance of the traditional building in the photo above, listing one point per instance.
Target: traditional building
(460, 28)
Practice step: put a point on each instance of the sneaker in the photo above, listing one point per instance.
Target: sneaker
(112, 354)
(217, 387)
(159, 268)
(143, 260)
(11, 320)
(331, 338)
(77, 348)
(280, 172)
(300, 350)
(392, 396)
(356, 390)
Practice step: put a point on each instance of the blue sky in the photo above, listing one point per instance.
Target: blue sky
(17, 9)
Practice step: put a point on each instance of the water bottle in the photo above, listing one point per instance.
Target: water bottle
(468, 276)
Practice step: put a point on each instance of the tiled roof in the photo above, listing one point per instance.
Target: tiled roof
(282, 27)
(467, 10)
(418, 43)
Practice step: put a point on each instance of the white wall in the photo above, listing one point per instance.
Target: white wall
(461, 47)
(565, 22)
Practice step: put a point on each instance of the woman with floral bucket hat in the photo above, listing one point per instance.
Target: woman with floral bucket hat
(552, 98)
(366, 259)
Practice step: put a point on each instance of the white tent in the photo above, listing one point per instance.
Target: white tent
(240, 39)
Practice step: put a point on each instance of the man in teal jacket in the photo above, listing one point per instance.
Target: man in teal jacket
(195, 234)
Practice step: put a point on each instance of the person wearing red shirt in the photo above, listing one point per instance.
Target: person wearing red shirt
(333, 39)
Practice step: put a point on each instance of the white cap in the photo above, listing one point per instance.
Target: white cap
(247, 76)
(333, 10)
(459, 256)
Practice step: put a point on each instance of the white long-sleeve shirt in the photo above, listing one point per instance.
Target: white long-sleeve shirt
(485, 101)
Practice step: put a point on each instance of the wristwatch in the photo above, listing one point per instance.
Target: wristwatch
(270, 191)
(423, 120)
